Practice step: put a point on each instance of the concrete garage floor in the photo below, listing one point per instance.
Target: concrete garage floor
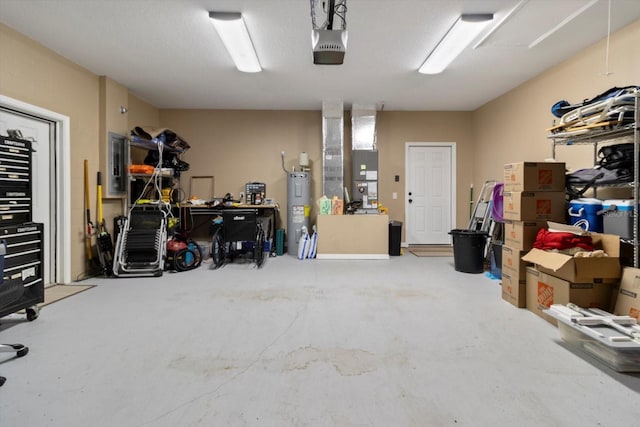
(401, 342)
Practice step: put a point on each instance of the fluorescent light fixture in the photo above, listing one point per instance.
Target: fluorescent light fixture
(233, 32)
(464, 30)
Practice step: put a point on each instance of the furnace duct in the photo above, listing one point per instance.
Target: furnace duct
(332, 149)
(363, 127)
(364, 158)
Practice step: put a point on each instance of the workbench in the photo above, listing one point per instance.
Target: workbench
(196, 219)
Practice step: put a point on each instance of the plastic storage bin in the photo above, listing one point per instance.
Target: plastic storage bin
(618, 217)
(584, 214)
(599, 338)
(468, 250)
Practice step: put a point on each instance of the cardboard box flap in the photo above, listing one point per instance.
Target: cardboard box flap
(609, 243)
(551, 260)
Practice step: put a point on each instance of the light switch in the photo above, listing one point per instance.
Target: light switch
(394, 195)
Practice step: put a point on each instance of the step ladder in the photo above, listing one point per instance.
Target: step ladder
(482, 218)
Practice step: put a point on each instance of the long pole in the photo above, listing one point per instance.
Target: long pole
(89, 231)
(471, 201)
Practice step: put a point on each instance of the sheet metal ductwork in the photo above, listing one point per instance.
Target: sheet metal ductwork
(364, 158)
(332, 149)
(363, 127)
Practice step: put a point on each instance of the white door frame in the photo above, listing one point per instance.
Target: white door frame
(63, 182)
(452, 145)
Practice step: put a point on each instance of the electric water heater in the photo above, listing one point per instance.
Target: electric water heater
(298, 207)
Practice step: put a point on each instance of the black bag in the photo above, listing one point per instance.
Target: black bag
(615, 166)
(616, 156)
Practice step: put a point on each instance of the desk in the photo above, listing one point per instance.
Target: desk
(188, 211)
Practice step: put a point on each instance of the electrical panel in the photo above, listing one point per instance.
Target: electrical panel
(116, 178)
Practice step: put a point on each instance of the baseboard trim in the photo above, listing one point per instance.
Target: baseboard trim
(352, 256)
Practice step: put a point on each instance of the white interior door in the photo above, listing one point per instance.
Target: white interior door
(40, 132)
(429, 193)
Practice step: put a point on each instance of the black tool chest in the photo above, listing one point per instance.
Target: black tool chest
(15, 181)
(22, 283)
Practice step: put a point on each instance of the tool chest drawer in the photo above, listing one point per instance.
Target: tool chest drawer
(15, 207)
(24, 253)
(23, 263)
(15, 164)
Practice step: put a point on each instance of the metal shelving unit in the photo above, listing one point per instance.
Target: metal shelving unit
(151, 182)
(599, 137)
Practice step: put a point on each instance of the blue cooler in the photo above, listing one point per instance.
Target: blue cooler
(584, 214)
(618, 217)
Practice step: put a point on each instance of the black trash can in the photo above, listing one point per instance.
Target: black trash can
(395, 236)
(468, 250)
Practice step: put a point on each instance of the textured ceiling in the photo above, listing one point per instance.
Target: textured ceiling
(168, 53)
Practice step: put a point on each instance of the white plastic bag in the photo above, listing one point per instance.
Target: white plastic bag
(304, 244)
(313, 246)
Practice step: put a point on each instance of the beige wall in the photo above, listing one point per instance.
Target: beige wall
(141, 113)
(38, 76)
(396, 128)
(237, 147)
(241, 146)
(513, 127)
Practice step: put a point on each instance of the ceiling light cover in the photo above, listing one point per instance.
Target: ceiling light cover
(233, 32)
(461, 34)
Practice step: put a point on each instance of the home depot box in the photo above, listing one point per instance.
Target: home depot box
(514, 290)
(534, 206)
(583, 270)
(513, 264)
(628, 298)
(521, 234)
(543, 290)
(534, 176)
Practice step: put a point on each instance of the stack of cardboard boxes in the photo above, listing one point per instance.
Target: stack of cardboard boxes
(534, 193)
(560, 279)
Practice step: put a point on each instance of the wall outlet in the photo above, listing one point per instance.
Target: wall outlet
(394, 195)
(241, 195)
